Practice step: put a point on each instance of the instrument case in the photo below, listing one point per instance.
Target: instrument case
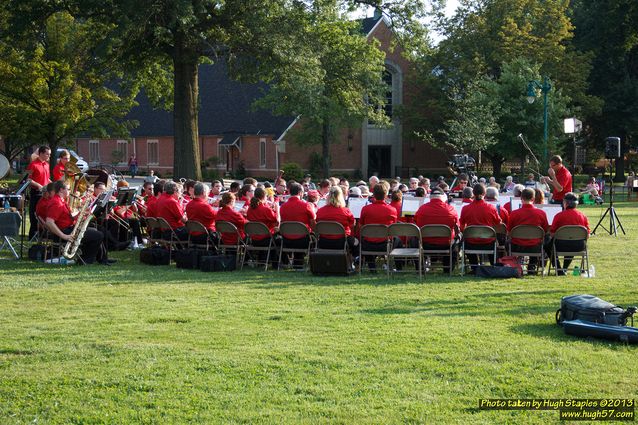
(217, 263)
(599, 330)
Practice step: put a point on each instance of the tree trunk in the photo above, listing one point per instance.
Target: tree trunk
(325, 148)
(187, 158)
(497, 164)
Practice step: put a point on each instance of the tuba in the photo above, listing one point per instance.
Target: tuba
(84, 217)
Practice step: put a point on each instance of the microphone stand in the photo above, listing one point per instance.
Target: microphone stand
(614, 221)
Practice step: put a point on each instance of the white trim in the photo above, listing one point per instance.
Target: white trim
(280, 138)
(377, 24)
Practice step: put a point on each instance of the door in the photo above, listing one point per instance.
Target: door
(380, 161)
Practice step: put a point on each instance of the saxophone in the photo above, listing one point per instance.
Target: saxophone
(84, 217)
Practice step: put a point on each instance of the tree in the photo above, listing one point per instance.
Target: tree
(53, 86)
(607, 30)
(342, 85)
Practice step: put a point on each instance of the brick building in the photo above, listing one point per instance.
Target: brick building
(234, 135)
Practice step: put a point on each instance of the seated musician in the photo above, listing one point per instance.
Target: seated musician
(373, 181)
(425, 184)
(189, 186)
(147, 193)
(227, 213)
(58, 170)
(396, 201)
(262, 211)
(43, 204)
(413, 183)
(479, 213)
(246, 193)
(215, 192)
(201, 211)
(491, 195)
(296, 209)
(378, 212)
(570, 216)
(313, 199)
(170, 209)
(234, 187)
(532, 216)
(438, 211)
(461, 183)
(61, 223)
(151, 201)
(324, 188)
(335, 210)
(130, 215)
(466, 195)
(516, 192)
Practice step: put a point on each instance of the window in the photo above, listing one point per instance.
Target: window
(122, 147)
(94, 151)
(152, 147)
(262, 153)
(387, 79)
(221, 153)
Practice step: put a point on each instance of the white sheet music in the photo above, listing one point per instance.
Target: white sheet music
(551, 211)
(239, 205)
(411, 206)
(355, 205)
(321, 203)
(516, 203)
(458, 206)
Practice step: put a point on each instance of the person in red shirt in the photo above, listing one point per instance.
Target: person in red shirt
(479, 213)
(461, 183)
(47, 195)
(227, 213)
(531, 216)
(296, 209)
(170, 209)
(516, 192)
(378, 212)
(570, 216)
(335, 210)
(559, 179)
(396, 202)
(438, 211)
(260, 210)
(466, 195)
(60, 222)
(58, 171)
(129, 214)
(201, 211)
(324, 188)
(39, 173)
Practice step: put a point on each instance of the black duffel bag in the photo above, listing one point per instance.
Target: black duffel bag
(589, 308)
(217, 263)
(502, 272)
(155, 256)
(188, 258)
(36, 252)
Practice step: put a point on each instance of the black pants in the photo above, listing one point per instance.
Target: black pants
(567, 246)
(473, 258)
(202, 239)
(34, 197)
(91, 245)
(381, 248)
(301, 243)
(444, 258)
(350, 242)
(134, 224)
(180, 232)
(274, 256)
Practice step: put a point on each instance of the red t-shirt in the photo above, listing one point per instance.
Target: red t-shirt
(437, 212)
(341, 215)
(199, 210)
(170, 210)
(398, 206)
(296, 209)
(263, 214)
(40, 172)
(42, 207)
(58, 171)
(378, 212)
(59, 211)
(479, 213)
(151, 206)
(569, 217)
(503, 213)
(226, 213)
(528, 214)
(564, 178)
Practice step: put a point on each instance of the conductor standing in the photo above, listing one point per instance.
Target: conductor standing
(559, 179)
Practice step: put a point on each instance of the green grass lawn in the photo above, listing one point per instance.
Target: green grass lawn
(140, 344)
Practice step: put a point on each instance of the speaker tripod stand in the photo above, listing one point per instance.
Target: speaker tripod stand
(614, 221)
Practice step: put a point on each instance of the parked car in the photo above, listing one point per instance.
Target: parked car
(80, 162)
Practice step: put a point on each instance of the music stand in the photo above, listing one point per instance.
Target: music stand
(125, 197)
(614, 221)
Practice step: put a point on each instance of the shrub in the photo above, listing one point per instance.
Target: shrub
(293, 171)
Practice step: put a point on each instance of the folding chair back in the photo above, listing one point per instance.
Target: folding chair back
(438, 231)
(151, 226)
(330, 228)
(196, 227)
(479, 232)
(525, 231)
(406, 230)
(296, 230)
(571, 233)
(375, 231)
(172, 241)
(252, 229)
(228, 227)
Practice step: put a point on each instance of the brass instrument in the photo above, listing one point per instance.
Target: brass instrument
(78, 185)
(84, 217)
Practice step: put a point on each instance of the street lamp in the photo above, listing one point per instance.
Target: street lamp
(532, 86)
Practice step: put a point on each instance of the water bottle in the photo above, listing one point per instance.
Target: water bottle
(7, 205)
(576, 271)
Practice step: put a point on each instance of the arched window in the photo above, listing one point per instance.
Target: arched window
(389, 93)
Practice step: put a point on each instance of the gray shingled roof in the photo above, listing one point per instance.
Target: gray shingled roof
(368, 23)
(225, 109)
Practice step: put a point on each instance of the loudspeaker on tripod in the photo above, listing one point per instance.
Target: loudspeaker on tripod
(612, 147)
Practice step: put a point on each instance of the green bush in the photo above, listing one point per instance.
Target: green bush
(315, 165)
(293, 171)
